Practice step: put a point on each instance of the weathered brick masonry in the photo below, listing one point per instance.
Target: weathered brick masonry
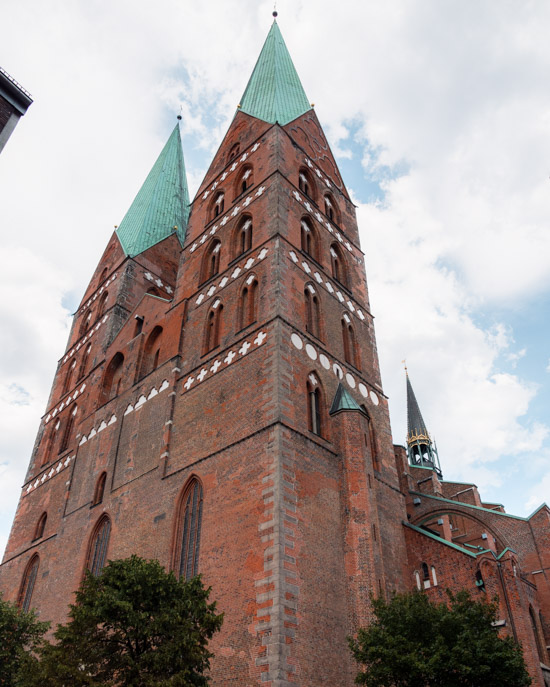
(228, 356)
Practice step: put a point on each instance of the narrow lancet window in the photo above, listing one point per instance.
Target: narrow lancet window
(190, 530)
(99, 543)
(27, 585)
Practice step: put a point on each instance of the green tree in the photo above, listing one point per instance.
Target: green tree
(416, 643)
(20, 635)
(134, 624)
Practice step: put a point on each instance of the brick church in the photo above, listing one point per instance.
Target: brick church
(219, 407)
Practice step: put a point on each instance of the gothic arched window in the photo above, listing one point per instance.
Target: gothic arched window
(68, 431)
(313, 313)
(84, 362)
(351, 354)
(189, 530)
(306, 183)
(49, 443)
(213, 327)
(40, 526)
(331, 210)
(101, 305)
(69, 377)
(27, 584)
(309, 239)
(235, 150)
(99, 542)
(112, 379)
(99, 489)
(248, 302)
(219, 204)
(245, 181)
(338, 264)
(151, 351)
(86, 322)
(211, 260)
(314, 405)
(243, 236)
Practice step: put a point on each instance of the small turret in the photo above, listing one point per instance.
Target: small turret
(420, 450)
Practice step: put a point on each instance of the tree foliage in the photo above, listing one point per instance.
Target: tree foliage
(416, 643)
(134, 624)
(20, 634)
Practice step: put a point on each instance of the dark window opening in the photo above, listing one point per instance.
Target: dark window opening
(98, 547)
(191, 518)
(40, 526)
(27, 586)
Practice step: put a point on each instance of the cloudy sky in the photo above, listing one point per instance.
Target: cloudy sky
(439, 115)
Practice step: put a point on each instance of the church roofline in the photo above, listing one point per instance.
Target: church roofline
(469, 505)
(457, 547)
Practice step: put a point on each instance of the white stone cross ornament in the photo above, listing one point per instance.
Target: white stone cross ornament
(243, 350)
(189, 382)
(215, 367)
(202, 374)
(229, 358)
(260, 339)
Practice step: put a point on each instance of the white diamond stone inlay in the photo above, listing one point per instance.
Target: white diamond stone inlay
(189, 382)
(215, 367)
(260, 339)
(229, 358)
(262, 254)
(200, 299)
(202, 374)
(235, 272)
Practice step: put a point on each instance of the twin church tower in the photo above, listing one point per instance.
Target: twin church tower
(219, 407)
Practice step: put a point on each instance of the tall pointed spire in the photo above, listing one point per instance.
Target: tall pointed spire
(274, 92)
(420, 450)
(161, 206)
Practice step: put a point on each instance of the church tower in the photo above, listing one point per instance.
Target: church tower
(420, 449)
(219, 406)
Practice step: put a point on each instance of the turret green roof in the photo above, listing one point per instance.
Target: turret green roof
(274, 92)
(343, 400)
(161, 204)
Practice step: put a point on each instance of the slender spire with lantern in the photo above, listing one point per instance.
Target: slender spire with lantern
(420, 449)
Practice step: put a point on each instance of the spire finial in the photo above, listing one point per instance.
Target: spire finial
(179, 115)
(275, 13)
(405, 365)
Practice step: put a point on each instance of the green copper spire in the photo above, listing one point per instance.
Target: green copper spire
(274, 92)
(162, 205)
(420, 450)
(343, 400)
